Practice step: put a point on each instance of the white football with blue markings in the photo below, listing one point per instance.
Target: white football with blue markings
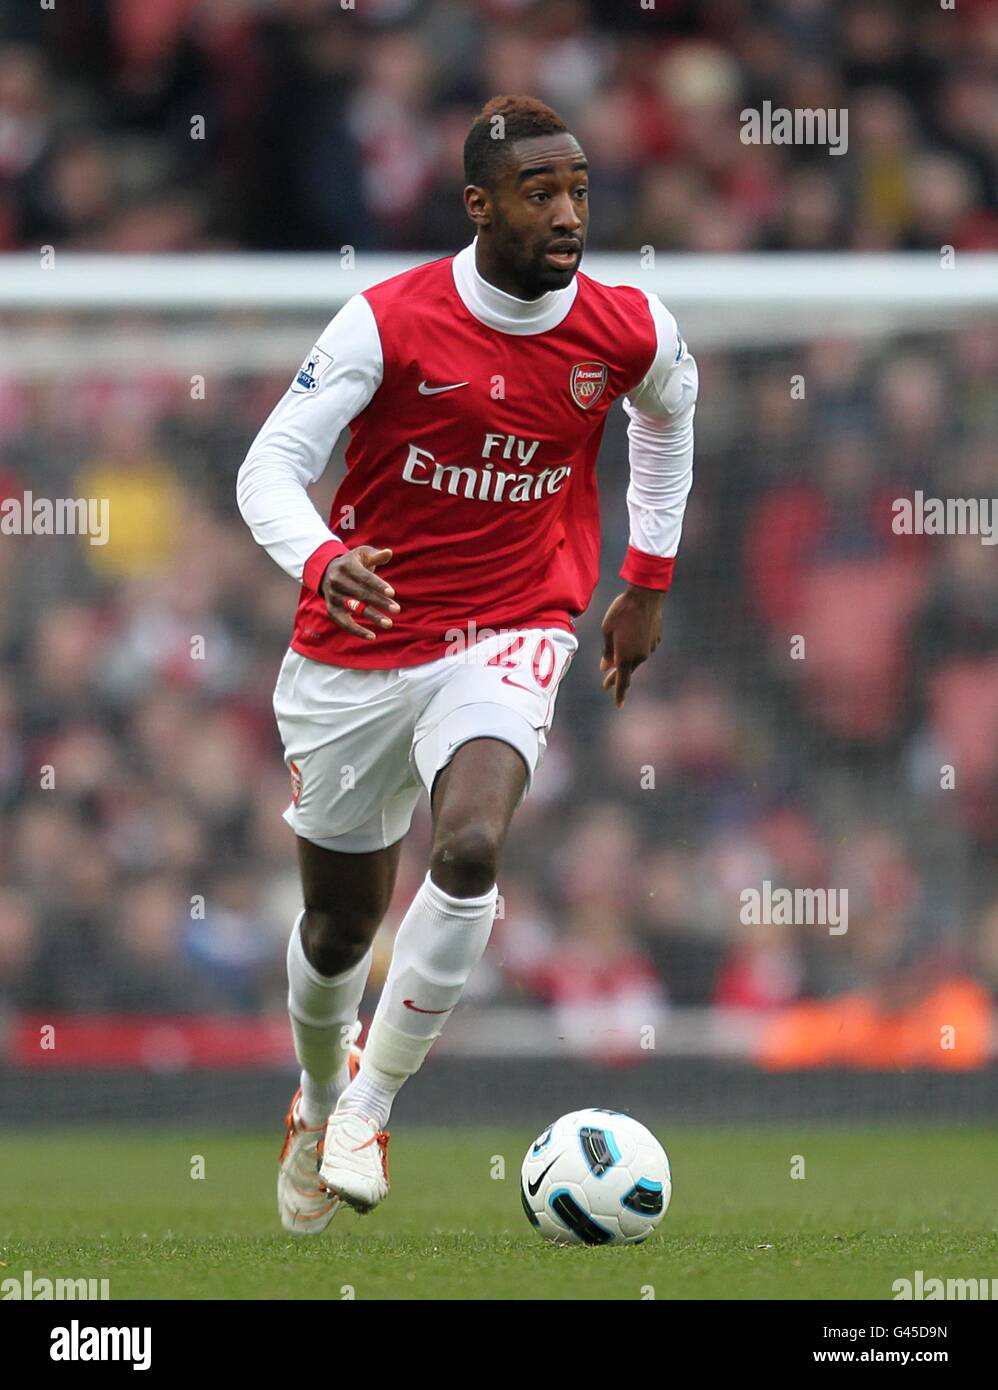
(595, 1177)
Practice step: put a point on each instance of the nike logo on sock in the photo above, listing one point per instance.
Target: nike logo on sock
(410, 1004)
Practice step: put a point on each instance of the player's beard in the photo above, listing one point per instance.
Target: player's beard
(525, 261)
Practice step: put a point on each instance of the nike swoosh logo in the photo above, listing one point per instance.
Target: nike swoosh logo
(532, 1187)
(508, 680)
(409, 1004)
(425, 390)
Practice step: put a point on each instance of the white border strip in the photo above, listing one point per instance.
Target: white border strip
(198, 283)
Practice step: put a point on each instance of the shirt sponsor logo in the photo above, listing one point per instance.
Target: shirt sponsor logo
(488, 483)
(588, 382)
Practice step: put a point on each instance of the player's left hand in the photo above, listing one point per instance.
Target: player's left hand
(632, 629)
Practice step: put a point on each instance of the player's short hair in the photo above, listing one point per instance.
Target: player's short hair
(489, 140)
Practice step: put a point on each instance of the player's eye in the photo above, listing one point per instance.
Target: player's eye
(582, 192)
(539, 194)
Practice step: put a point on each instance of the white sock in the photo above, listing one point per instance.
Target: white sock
(439, 943)
(323, 1009)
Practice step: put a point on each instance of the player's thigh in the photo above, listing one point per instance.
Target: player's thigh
(481, 786)
(347, 738)
(502, 691)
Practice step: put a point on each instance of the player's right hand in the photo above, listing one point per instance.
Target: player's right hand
(351, 588)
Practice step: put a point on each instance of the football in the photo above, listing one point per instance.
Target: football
(595, 1177)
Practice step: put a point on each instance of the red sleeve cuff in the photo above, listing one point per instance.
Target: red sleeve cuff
(647, 571)
(318, 562)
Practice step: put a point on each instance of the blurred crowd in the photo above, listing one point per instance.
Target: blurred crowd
(824, 709)
(179, 125)
(818, 677)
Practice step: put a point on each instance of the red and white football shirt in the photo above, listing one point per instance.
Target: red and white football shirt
(475, 422)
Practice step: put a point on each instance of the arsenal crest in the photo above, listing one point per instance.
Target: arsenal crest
(588, 382)
(295, 783)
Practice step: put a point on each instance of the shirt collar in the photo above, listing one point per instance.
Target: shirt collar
(504, 312)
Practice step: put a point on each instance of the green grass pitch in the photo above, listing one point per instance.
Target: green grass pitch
(874, 1206)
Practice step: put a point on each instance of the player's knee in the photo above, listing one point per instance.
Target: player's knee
(464, 860)
(336, 940)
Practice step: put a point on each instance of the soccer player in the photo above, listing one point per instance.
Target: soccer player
(436, 614)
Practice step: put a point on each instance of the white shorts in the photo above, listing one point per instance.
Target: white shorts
(361, 746)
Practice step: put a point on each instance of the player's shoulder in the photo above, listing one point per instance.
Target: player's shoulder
(359, 327)
(635, 310)
(413, 286)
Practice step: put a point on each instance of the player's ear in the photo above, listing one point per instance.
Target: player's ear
(478, 205)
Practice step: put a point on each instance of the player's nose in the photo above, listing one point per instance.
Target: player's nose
(565, 215)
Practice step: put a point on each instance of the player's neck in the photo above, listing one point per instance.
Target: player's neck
(498, 277)
(502, 309)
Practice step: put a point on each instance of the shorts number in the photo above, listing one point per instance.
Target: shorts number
(544, 662)
(506, 657)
